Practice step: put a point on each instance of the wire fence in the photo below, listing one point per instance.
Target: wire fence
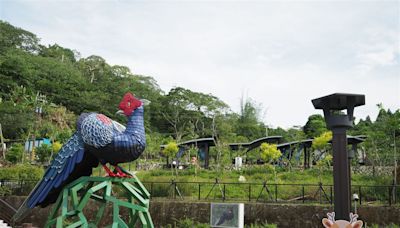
(251, 192)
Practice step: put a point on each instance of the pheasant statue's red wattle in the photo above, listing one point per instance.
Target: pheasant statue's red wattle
(98, 139)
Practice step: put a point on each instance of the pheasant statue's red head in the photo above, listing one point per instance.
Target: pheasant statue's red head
(129, 103)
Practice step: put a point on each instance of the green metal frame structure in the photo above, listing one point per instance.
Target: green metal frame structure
(130, 193)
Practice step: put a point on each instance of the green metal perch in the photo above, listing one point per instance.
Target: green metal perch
(130, 193)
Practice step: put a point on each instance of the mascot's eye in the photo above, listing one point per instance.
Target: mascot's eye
(129, 104)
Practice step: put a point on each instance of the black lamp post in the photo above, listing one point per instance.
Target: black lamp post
(338, 122)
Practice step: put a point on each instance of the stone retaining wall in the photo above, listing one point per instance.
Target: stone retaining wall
(373, 170)
(167, 212)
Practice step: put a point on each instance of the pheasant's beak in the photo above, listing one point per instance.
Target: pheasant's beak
(120, 112)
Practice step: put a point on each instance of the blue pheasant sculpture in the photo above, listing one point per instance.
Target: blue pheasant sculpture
(98, 139)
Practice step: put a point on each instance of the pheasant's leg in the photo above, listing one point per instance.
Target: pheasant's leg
(109, 172)
(120, 173)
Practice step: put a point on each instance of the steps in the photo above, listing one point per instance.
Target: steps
(6, 212)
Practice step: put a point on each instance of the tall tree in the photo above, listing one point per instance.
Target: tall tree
(58, 52)
(17, 38)
(187, 111)
(315, 126)
(94, 67)
(249, 123)
(16, 117)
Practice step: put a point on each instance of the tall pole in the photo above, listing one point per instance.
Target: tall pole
(395, 166)
(341, 175)
(338, 122)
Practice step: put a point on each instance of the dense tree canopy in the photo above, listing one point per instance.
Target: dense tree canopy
(62, 83)
(12, 37)
(383, 136)
(91, 84)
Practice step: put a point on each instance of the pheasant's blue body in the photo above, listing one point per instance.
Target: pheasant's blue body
(133, 138)
(98, 139)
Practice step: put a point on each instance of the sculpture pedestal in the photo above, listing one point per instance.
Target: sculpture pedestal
(128, 193)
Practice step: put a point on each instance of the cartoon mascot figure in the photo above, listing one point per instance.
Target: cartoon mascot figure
(331, 223)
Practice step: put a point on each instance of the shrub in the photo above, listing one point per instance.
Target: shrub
(270, 152)
(263, 225)
(56, 146)
(64, 136)
(254, 169)
(391, 225)
(171, 149)
(21, 172)
(5, 191)
(14, 155)
(188, 223)
(43, 153)
(321, 142)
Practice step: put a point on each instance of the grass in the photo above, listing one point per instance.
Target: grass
(189, 223)
(285, 181)
(257, 175)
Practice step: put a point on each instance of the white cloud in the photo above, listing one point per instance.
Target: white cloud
(283, 54)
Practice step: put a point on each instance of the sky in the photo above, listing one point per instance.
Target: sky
(280, 54)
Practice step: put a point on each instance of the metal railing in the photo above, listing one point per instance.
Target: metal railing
(238, 191)
(269, 192)
(16, 187)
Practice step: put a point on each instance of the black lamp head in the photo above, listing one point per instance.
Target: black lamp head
(336, 102)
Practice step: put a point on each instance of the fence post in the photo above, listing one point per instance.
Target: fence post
(320, 192)
(249, 192)
(359, 194)
(276, 193)
(303, 193)
(151, 189)
(223, 197)
(174, 186)
(390, 196)
(199, 191)
(331, 195)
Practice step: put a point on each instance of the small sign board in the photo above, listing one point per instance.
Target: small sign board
(238, 162)
(227, 215)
